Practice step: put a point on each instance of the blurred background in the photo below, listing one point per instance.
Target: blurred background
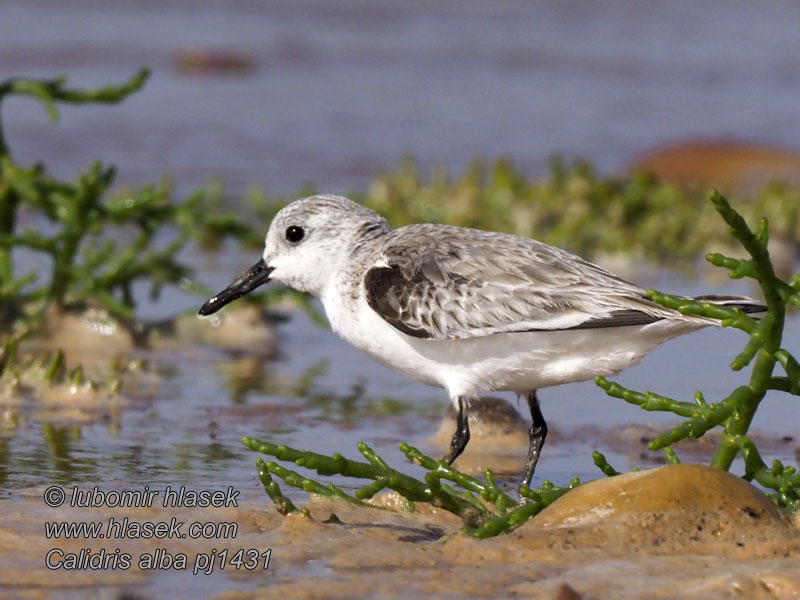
(279, 94)
(646, 105)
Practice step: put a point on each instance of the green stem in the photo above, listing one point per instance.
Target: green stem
(9, 201)
(602, 463)
(282, 503)
(770, 336)
(537, 501)
(487, 491)
(430, 491)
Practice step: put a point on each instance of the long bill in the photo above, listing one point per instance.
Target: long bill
(255, 276)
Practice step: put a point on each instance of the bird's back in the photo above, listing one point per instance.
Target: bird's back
(445, 282)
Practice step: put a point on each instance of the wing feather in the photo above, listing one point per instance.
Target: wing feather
(440, 282)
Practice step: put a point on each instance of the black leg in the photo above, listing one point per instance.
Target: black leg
(538, 433)
(461, 436)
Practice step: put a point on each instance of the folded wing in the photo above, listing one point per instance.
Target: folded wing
(452, 283)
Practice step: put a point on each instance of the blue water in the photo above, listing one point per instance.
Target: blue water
(340, 91)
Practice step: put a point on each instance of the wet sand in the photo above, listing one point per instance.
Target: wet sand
(673, 532)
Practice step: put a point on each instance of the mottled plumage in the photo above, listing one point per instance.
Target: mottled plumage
(443, 282)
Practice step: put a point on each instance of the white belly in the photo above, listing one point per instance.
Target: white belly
(507, 361)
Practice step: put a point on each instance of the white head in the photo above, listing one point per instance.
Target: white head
(309, 239)
(307, 243)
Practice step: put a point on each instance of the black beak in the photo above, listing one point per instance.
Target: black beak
(246, 282)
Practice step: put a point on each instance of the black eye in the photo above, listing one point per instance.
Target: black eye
(294, 233)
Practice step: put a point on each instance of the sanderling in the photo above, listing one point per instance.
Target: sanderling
(467, 310)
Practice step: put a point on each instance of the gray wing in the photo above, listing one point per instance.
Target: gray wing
(440, 282)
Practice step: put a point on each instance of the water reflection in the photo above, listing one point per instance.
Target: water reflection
(250, 377)
(243, 376)
(177, 422)
(5, 457)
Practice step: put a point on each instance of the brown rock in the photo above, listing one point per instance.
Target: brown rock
(732, 166)
(498, 437)
(241, 327)
(676, 509)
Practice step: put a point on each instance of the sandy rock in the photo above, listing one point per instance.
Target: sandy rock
(676, 509)
(498, 437)
(735, 167)
(90, 336)
(240, 327)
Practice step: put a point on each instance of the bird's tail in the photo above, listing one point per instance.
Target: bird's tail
(743, 303)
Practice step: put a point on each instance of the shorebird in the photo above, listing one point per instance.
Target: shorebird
(468, 310)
